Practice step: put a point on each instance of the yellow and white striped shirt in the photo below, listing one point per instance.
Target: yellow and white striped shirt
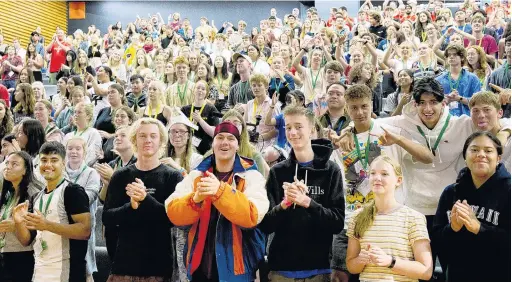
(395, 233)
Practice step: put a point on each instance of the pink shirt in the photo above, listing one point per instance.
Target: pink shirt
(251, 112)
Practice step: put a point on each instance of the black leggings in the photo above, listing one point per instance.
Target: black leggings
(38, 76)
(17, 267)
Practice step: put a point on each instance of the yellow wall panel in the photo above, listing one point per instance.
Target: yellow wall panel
(20, 18)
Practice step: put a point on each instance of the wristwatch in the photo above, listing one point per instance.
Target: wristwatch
(393, 261)
(460, 99)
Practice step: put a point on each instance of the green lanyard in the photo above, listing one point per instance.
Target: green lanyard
(436, 144)
(506, 68)
(182, 94)
(365, 160)
(76, 179)
(49, 200)
(454, 86)
(76, 131)
(220, 82)
(277, 86)
(8, 206)
(47, 129)
(314, 81)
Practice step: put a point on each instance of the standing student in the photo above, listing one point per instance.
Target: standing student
(306, 204)
(57, 221)
(387, 240)
(223, 200)
(79, 173)
(123, 148)
(371, 139)
(17, 187)
(134, 205)
(475, 212)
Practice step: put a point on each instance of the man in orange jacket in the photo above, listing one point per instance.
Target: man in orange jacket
(222, 208)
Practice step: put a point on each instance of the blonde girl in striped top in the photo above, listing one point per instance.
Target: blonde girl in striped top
(388, 241)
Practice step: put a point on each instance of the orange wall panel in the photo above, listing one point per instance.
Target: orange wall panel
(76, 10)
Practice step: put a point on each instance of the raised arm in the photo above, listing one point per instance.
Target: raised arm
(373, 52)
(338, 55)
(269, 117)
(386, 60)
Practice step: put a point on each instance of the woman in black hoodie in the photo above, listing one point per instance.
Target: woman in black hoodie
(306, 203)
(472, 222)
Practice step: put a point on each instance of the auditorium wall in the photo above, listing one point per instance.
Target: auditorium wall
(105, 13)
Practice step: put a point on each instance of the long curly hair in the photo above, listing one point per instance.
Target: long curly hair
(27, 105)
(356, 71)
(7, 123)
(482, 61)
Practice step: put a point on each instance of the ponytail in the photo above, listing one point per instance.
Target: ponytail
(364, 219)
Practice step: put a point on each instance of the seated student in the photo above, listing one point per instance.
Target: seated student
(475, 212)
(500, 77)
(82, 118)
(309, 210)
(333, 71)
(223, 200)
(138, 96)
(336, 117)
(388, 241)
(458, 83)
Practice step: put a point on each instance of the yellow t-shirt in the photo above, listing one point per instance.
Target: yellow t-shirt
(175, 93)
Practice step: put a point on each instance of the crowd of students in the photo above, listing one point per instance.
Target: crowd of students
(305, 149)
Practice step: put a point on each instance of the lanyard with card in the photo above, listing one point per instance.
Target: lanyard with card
(366, 159)
(436, 144)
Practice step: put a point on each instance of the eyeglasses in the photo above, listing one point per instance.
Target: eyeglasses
(178, 133)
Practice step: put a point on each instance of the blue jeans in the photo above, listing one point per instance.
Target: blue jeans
(9, 83)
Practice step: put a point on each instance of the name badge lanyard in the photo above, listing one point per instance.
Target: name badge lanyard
(7, 210)
(454, 85)
(44, 244)
(364, 161)
(438, 140)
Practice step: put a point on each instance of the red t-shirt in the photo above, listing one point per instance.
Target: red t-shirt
(488, 43)
(58, 56)
(4, 95)
(411, 17)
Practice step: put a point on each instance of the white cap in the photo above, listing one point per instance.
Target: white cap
(179, 117)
